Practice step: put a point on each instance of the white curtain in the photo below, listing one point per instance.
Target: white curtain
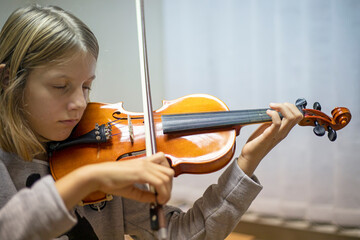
(251, 53)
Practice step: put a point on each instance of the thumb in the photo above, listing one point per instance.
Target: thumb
(137, 194)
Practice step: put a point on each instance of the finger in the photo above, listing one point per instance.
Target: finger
(276, 120)
(286, 111)
(161, 170)
(148, 169)
(283, 108)
(293, 112)
(267, 129)
(159, 158)
(158, 176)
(163, 194)
(162, 182)
(162, 190)
(260, 130)
(297, 114)
(291, 116)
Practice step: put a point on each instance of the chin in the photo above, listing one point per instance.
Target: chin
(57, 138)
(62, 138)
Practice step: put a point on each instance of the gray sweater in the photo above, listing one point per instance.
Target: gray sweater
(31, 208)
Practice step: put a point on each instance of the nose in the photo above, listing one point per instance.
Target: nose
(78, 100)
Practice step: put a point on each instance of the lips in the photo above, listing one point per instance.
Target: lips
(70, 122)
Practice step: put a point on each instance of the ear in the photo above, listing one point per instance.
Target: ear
(2, 67)
(4, 74)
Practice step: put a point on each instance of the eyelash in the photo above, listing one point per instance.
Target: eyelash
(59, 87)
(63, 87)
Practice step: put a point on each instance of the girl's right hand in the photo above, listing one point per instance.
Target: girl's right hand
(119, 178)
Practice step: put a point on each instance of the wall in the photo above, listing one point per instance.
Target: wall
(114, 24)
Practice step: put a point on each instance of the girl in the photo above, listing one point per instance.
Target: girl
(47, 64)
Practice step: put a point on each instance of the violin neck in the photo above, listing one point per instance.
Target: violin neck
(213, 120)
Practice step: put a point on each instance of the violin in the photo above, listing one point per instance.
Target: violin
(196, 133)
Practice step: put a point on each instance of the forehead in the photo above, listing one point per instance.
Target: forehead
(77, 65)
(79, 57)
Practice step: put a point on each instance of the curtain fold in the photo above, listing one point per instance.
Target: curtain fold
(251, 53)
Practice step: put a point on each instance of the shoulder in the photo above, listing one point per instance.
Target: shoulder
(7, 186)
(21, 173)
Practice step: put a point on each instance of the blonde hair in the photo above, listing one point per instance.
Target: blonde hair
(33, 36)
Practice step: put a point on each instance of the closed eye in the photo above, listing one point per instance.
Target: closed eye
(59, 87)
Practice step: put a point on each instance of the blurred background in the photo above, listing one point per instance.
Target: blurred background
(248, 54)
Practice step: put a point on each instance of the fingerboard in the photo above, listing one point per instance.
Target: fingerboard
(208, 120)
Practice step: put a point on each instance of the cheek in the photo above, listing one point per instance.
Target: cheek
(40, 117)
(41, 110)
(38, 107)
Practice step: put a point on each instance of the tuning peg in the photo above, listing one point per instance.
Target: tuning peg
(332, 135)
(318, 129)
(317, 106)
(301, 104)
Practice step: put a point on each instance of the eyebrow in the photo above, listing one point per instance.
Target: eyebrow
(66, 76)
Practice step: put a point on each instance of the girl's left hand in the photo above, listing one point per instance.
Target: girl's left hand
(268, 135)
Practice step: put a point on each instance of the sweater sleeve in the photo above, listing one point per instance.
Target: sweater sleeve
(35, 213)
(217, 213)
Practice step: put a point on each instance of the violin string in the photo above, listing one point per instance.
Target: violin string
(239, 113)
(125, 119)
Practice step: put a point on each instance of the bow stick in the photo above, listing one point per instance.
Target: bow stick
(157, 216)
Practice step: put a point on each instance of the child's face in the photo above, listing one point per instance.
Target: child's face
(56, 96)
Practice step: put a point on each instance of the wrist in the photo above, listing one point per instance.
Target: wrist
(247, 166)
(76, 185)
(89, 177)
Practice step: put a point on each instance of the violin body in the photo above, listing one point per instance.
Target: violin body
(201, 151)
